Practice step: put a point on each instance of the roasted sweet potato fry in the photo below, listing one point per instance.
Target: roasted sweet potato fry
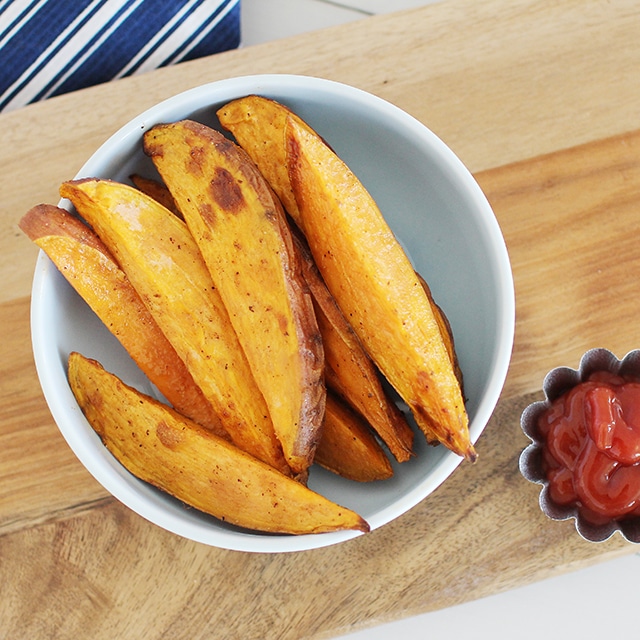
(257, 123)
(376, 287)
(241, 230)
(348, 446)
(159, 446)
(86, 263)
(349, 370)
(158, 254)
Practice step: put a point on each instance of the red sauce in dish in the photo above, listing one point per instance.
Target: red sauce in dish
(592, 447)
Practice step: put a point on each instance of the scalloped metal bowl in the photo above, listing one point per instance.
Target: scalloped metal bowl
(437, 211)
(556, 383)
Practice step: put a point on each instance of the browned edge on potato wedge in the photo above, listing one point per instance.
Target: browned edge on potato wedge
(348, 446)
(257, 124)
(163, 263)
(241, 230)
(349, 371)
(86, 263)
(162, 447)
(376, 287)
(445, 330)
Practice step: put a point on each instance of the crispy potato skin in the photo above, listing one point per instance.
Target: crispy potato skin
(161, 260)
(348, 446)
(376, 287)
(349, 371)
(84, 260)
(241, 230)
(160, 446)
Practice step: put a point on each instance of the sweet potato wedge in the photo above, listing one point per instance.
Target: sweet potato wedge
(257, 124)
(376, 287)
(241, 230)
(348, 446)
(156, 190)
(445, 331)
(161, 447)
(349, 370)
(86, 263)
(162, 261)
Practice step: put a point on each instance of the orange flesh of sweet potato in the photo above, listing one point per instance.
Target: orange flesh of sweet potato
(86, 263)
(376, 287)
(161, 447)
(241, 230)
(348, 446)
(257, 123)
(348, 369)
(158, 254)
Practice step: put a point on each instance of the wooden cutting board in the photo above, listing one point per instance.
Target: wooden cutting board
(571, 221)
(73, 558)
(500, 81)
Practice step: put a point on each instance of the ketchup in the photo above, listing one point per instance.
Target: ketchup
(591, 456)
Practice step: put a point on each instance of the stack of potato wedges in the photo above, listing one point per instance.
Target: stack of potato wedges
(259, 288)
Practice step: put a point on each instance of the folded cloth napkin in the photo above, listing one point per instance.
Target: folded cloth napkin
(50, 47)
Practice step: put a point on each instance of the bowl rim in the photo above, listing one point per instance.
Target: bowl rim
(200, 97)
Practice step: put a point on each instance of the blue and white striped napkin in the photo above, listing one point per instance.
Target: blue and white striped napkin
(50, 47)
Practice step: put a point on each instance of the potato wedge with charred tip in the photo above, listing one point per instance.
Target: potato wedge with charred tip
(257, 123)
(241, 230)
(84, 260)
(376, 287)
(348, 446)
(163, 263)
(165, 449)
(349, 370)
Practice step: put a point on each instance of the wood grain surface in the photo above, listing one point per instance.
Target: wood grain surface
(540, 100)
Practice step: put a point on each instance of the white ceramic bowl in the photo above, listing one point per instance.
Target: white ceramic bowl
(439, 214)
